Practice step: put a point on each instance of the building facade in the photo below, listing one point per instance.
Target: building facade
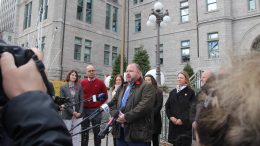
(203, 33)
(7, 20)
(73, 34)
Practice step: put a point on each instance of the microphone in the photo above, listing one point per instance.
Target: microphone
(99, 97)
(105, 130)
(104, 107)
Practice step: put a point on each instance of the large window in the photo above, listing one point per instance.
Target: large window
(43, 9)
(77, 48)
(211, 5)
(184, 9)
(138, 22)
(251, 5)
(87, 51)
(111, 12)
(161, 53)
(89, 11)
(114, 54)
(106, 54)
(43, 44)
(27, 15)
(137, 50)
(137, 1)
(84, 8)
(185, 51)
(80, 10)
(213, 46)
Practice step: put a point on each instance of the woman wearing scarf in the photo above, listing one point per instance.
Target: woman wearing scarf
(178, 111)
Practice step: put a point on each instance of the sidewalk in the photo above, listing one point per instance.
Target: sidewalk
(104, 140)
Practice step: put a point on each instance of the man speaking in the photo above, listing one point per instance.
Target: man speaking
(136, 98)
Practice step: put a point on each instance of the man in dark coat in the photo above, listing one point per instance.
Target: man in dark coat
(135, 100)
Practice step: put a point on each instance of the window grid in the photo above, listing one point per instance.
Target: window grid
(108, 11)
(87, 51)
(185, 51)
(161, 54)
(251, 5)
(80, 10)
(27, 15)
(114, 54)
(43, 44)
(44, 9)
(89, 11)
(137, 1)
(138, 22)
(211, 5)
(184, 9)
(106, 54)
(213, 45)
(77, 49)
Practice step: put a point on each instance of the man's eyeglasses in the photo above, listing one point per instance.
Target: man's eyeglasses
(91, 70)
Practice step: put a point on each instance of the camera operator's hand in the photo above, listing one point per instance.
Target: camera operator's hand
(18, 80)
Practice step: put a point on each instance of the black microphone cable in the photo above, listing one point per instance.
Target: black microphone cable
(89, 128)
(104, 107)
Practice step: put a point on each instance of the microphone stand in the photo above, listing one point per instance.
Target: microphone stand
(87, 129)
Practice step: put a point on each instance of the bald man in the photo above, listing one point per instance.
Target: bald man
(92, 86)
(205, 76)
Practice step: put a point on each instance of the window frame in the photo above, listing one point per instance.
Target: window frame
(210, 42)
(211, 4)
(185, 47)
(44, 13)
(77, 46)
(27, 15)
(87, 57)
(89, 9)
(114, 54)
(80, 5)
(184, 8)
(138, 22)
(249, 6)
(106, 54)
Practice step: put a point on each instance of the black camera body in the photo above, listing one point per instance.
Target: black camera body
(61, 100)
(21, 57)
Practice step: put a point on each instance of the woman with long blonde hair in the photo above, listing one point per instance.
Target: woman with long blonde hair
(177, 109)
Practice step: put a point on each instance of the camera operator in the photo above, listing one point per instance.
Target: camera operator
(29, 117)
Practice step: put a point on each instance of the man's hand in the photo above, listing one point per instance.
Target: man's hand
(18, 80)
(121, 119)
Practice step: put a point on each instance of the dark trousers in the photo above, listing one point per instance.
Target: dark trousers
(96, 120)
(121, 141)
(155, 140)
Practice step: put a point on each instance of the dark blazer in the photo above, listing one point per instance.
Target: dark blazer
(31, 119)
(65, 92)
(178, 105)
(138, 112)
(157, 112)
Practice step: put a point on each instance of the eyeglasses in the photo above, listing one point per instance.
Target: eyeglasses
(91, 70)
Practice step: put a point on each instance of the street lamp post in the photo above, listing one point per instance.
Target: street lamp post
(159, 18)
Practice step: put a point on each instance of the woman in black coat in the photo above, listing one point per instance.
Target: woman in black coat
(178, 111)
(157, 109)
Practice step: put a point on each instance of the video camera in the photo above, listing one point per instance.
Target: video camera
(61, 100)
(21, 57)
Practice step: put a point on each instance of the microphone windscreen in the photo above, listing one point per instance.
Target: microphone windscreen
(116, 114)
(111, 103)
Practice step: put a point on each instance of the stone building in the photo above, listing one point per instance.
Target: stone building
(71, 33)
(7, 20)
(75, 33)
